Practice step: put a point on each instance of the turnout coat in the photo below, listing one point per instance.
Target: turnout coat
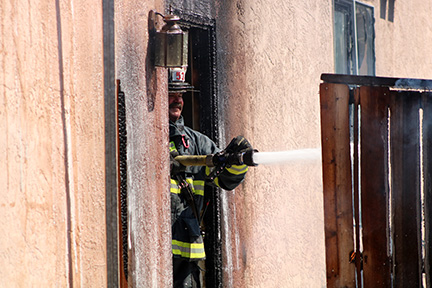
(187, 241)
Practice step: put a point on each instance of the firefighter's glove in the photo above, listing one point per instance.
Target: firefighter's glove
(175, 166)
(238, 144)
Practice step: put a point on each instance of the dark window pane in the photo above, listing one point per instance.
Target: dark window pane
(365, 39)
(341, 41)
(344, 38)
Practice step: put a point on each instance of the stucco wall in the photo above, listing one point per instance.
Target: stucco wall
(273, 55)
(52, 216)
(146, 95)
(403, 45)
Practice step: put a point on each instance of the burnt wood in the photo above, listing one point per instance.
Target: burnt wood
(405, 168)
(374, 186)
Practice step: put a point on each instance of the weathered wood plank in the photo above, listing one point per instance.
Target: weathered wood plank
(406, 207)
(337, 184)
(374, 186)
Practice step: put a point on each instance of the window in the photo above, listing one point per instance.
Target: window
(354, 38)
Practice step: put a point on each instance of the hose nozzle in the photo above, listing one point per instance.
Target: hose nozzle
(247, 157)
(241, 158)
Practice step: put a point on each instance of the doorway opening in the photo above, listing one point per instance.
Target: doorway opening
(200, 112)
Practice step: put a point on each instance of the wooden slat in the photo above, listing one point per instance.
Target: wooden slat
(405, 167)
(374, 186)
(358, 251)
(337, 184)
(427, 172)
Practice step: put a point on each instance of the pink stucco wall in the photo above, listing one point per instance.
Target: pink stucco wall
(52, 147)
(274, 54)
(403, 45)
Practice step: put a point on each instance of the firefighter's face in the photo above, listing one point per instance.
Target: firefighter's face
(175, 106)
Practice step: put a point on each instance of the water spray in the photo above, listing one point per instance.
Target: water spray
(285, 157)
(250, 157)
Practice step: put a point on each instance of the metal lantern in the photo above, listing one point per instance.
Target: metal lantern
(171, 44)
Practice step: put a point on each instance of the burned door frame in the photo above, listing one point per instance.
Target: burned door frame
(122, 206)
(200, 112)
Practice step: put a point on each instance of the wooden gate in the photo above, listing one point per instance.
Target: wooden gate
(377, 175)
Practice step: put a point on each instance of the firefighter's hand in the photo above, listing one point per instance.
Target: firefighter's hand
(238, 144)
(175, 166)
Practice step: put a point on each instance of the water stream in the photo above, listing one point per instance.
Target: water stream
(287, 157)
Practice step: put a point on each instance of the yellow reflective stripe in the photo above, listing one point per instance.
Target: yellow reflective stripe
(234, 169)
(238, 169)
(194, 189)
(198, 187)
(172, 146)
(188, 250)
(174, 188)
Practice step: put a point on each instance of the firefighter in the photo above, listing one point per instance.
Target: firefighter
(187, 185)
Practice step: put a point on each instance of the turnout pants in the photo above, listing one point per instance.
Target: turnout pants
(186, 273)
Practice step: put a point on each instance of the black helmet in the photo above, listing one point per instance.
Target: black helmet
(176, 81)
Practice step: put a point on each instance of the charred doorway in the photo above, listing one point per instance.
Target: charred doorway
(200, 112)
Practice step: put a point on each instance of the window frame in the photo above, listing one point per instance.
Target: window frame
(349, 8)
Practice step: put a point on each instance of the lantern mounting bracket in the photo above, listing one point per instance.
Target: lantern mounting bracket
(153, 24)
(170, 41)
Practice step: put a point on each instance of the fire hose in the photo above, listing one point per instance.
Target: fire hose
(219, 159)
(251, 157)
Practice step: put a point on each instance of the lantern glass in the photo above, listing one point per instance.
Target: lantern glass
(174, 50)
(160, 49)
(171, 46)
(185, 48)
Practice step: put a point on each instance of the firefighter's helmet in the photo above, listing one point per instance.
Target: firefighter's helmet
(176, 81)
